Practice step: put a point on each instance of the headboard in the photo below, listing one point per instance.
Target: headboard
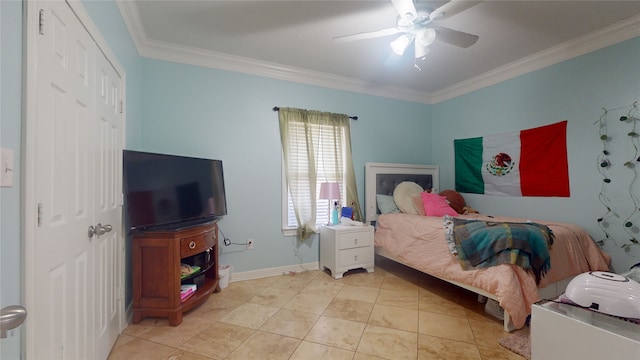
(382, 178)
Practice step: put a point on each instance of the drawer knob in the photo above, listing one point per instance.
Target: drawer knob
(356, 240)
(192, 245)
(355, 258)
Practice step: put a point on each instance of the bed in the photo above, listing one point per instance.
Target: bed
(418, 241)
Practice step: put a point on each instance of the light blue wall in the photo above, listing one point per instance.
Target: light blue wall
(197, 111)
(10, 123)
(575, 90)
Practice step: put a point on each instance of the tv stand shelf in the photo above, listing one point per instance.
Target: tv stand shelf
(156, 259)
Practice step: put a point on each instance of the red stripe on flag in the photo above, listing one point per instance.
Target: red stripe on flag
(544, 168)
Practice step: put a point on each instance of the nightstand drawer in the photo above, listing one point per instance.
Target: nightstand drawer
(351, 240)
(355, 256)
(195, 244)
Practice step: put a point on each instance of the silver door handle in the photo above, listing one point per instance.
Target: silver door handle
(99, 229)
(10, 318)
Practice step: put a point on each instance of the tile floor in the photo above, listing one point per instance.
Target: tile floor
(392, 313)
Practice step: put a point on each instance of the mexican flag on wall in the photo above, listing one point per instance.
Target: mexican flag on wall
(530, 162)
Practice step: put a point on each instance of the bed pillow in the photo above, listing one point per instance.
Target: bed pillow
(403, 194)
(418, 204)
(436, 205)
(386, 204)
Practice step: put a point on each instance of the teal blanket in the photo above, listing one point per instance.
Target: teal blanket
(481, 244)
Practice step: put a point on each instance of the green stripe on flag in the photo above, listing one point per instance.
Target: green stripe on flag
(468, 165)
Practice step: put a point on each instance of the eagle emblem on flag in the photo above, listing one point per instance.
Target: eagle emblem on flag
(500, 165)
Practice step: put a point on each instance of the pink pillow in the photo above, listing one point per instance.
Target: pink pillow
(436, 205)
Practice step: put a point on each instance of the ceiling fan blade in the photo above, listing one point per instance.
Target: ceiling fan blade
(367, 35)
(455, 37)
(406, 9)
(451, 8)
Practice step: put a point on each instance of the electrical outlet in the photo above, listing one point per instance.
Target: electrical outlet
(249, 244)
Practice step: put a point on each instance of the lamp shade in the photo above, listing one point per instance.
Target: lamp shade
(400, 44)
(329, 190)
(426, 37)
(421, 51)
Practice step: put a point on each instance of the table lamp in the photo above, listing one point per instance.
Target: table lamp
(330, 191)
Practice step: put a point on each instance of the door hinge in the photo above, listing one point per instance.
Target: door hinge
(39, 214)
(41, 22)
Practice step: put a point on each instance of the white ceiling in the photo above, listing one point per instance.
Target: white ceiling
(293, 40)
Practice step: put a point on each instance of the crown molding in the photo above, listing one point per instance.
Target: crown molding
(607, 36)
(159, 50)
(610, 35)
(193, 56)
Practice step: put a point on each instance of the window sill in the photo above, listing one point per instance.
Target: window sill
(294, 231)
(289, 232)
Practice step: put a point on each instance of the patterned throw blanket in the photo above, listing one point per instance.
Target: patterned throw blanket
(482, 244)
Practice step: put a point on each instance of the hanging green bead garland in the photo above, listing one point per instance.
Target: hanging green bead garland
(629, 226)
(605, 165)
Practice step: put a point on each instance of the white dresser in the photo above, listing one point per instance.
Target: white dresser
(346, 247)
(561, 331)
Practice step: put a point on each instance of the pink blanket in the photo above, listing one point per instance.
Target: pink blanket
(419, 241)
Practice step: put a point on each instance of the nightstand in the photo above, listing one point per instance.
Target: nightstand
(346, 247)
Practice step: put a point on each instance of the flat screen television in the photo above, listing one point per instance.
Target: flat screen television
(171, 192)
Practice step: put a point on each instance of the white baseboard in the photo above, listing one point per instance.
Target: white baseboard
(127, 317)
(257, 274)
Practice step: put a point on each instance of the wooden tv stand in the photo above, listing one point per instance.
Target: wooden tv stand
(156, 259)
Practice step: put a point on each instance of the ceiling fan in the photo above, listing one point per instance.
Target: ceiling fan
(420, 28)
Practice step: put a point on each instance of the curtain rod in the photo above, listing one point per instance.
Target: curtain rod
(275, 108)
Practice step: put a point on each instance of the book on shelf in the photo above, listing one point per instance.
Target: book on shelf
(187, 287)
(185, 295)
(186, 290)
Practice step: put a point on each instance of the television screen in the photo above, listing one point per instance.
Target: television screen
(171, 191)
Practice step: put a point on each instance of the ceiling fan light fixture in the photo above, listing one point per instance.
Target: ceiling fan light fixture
(421, 51)
(426, 37)
(400, 44)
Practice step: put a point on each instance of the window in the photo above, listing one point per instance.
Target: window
(316, 149)
(322, 211)
(327, 169)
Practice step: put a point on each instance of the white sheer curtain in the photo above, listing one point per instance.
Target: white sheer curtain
(314, 143)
